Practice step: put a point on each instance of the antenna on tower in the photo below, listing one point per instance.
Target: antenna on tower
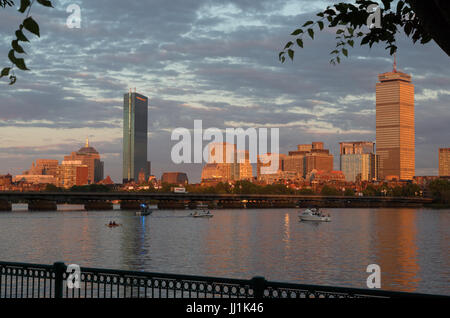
(395, 63)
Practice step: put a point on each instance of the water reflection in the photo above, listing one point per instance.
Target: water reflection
(411, 246)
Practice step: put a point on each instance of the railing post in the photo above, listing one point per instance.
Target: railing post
(59, 268)
(258, 284)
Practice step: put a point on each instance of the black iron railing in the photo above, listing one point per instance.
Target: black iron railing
(19, 280)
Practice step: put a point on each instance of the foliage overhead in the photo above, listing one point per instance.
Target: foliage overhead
(349, 21)
(29, 25)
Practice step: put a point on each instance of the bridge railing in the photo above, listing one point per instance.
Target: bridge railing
(20, 280)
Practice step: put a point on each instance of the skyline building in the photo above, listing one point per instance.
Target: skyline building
(222, 163)
(90, 157)
(358, 161)
(444, 162)
(395, 130)
(135, 137)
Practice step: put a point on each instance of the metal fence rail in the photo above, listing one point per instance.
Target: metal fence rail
(20, 280)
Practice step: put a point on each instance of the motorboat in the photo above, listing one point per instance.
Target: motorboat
(113, 224)
(314, 215)
(145, 210)
(202, 212)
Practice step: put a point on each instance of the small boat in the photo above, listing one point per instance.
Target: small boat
(113, 224)
(314, 215)
(145, 210)
(202, 212)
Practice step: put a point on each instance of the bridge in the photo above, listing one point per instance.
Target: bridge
(131, 200)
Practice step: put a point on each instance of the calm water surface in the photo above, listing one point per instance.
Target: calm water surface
(412, 246)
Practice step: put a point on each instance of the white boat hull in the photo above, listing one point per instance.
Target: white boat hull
(314, 218)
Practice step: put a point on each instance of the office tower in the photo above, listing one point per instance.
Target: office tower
(222, 163)
(135, 123)
(245, 167)
(358, 161)
(395, 125)
(43, 167)
(179, 178)
(72, 173)
(90, 157)
(444, 162)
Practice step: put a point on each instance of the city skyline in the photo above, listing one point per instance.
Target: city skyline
(227, 74)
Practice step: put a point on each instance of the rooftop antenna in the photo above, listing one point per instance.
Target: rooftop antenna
(87, 142)
(395, 63)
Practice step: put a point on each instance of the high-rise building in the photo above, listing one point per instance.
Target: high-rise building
(179, 178)
(43, 167)
(444, 162)
(395, 125)
(222, 163)
(135, 126)
(358, 161)
(72, 173)
(244, 164)
(90, 157)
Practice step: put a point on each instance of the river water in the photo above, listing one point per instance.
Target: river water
(411, 246)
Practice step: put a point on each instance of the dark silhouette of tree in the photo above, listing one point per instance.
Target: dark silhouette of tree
(28, 24)
(420, 20)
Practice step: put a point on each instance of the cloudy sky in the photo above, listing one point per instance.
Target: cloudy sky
(214, 60)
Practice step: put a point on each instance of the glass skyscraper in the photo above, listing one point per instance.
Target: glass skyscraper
(135, 123)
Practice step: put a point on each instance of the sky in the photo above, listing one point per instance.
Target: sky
(213, 60)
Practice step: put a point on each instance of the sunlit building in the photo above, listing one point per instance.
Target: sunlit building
(72, 173)
(222, 163)
(179, 178)
(244, 165)
(395, 132)
(43, 167)
(90, 157)
(135, 129)
(358, 161)
(444, 162)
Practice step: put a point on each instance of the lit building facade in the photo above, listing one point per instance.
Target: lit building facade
(43, 167)
(222, 163)
(358, 161)
(179, 178)
(90, 157)
(395, 130)
(135, 129)
(444, 162)
(72, 173)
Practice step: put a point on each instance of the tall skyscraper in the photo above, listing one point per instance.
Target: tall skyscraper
(395, 125)
(135, 126)
(444, 162)
(358, 161)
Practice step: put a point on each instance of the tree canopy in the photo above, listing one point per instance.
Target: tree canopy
(28, 24)
(420, 20)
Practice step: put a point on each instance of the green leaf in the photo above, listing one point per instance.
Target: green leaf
(300, 42)
(5, 72)
(45, 3)
(24, 4)
(308, 23)
(11, 57)
(291, 54)
(320, 23)
(311, 33)
(297, 32)
(338, 59)
(345, 52)
(20, 36)
(351, 42)
(15, 45)
(20, 63)
(31, 26)
(288, 45)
